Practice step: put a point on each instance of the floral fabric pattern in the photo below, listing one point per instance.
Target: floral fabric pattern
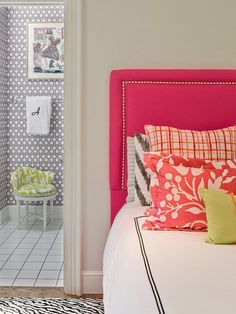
(175, 182)
(28, 181)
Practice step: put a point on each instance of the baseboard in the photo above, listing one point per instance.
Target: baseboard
(12, 211)
(3, 215)
(92, 282)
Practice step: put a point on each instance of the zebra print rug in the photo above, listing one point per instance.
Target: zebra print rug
(48, 306)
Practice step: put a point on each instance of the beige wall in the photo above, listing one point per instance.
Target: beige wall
(138, 34)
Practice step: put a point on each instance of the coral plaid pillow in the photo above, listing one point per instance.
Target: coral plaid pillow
(210, 145)
(175, 182)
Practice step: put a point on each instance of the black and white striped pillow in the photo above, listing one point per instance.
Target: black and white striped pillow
(142, 178)
(130, 169)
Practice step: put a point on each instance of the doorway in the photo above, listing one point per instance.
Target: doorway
(31, 246)
(72, 161)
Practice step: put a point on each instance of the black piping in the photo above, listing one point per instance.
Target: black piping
(148, 269)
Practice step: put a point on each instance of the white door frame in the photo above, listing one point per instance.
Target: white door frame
(72, 136)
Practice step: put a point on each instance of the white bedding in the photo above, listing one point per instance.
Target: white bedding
(177, 274)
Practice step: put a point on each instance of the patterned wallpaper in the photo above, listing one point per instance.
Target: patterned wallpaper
(3, 106)
(41, 152)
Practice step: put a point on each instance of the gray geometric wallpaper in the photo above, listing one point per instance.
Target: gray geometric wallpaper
(3, 106)
(43, 152)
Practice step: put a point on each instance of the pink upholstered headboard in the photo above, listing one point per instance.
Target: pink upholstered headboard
(188, 99)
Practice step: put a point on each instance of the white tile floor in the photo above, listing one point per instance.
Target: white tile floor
(31, 257)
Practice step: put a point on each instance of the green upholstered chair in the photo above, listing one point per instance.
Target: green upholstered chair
(32, 185)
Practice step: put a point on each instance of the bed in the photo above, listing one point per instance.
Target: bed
(168, 272)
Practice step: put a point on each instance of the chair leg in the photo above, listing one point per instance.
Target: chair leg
(18, 213)
(44, 215)
(51, 207)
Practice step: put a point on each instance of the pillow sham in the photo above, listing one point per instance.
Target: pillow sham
(151, 159)
(175, 182)
(142, 177)
(221, 216)
(130, 169)
(212, 145)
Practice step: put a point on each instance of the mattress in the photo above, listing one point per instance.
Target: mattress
(172, 272)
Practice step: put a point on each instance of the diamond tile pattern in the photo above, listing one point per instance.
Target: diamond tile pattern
(43, 152)
(3, 106)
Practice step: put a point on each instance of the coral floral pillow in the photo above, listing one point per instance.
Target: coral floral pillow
(175, 182)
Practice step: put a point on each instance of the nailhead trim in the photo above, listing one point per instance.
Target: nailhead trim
(124, 83)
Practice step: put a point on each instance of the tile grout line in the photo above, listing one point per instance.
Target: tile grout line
(61, 266)
(15, 247)
(26, 254)
(47, 254)
(16, 228)
(59, 274)
(8, 236)
(28, 257)
(26, 261)
(5, 223)
(37, 241)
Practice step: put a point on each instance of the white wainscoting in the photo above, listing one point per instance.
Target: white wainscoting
(4, 214)
(10, 212)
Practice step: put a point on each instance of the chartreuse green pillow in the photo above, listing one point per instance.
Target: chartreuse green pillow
(221, 216)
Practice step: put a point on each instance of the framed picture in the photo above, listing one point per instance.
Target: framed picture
(45, 51)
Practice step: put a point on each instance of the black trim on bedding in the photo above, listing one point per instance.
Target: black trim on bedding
(148, 268)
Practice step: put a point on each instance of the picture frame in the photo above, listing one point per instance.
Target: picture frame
(45, 58)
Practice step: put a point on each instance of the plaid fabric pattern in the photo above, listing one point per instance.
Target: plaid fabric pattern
(209, 145)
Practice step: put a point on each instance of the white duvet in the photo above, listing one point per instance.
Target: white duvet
(152, 272)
